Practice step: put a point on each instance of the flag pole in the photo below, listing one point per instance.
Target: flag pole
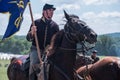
(36, 39)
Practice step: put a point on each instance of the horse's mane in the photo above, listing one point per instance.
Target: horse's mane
(55, 42)
(57, 39)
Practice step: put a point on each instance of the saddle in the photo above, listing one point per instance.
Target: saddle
(23, 65)
(43, 71)
(26, 64)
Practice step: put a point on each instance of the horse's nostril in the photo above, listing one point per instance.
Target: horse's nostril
(92, 35)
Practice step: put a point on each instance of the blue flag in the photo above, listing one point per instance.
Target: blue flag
(16, 9)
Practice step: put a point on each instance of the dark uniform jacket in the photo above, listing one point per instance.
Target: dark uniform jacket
(44, 35)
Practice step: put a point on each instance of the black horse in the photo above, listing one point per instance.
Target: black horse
(63, 57)
(107, 68)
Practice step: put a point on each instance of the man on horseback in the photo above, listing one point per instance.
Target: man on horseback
(94, 56)
(45, 28)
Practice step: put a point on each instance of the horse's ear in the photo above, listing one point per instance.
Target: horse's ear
(66, 15)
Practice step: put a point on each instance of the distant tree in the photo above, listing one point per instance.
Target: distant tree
(104, 45)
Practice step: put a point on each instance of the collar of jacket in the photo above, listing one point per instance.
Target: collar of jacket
(43, 19)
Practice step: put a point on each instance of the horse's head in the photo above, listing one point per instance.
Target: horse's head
(78, 30)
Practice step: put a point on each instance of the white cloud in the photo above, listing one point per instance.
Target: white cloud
(69, 6)
(58, 1)
(37, 16)
(59, 19)
(103, 14)
(44, 1)
(104, 22)
(99, 2)
(109, 14)
(88, 2)
(89, 15)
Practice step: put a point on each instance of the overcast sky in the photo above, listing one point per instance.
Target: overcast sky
(103, 16)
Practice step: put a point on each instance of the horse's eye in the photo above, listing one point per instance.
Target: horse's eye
(72, 20)
(75, 21)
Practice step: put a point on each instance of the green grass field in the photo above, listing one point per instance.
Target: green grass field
(3, 69)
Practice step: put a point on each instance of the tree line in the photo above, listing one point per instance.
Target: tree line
(15, 45)
(106, 45)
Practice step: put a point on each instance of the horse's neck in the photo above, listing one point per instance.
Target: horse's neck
(59, 40)
(66, 43)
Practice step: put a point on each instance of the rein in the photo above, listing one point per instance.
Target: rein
(67, 49)
(86, 73)
(61, 72)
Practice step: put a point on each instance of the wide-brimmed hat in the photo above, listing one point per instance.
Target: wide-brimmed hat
(48, 6)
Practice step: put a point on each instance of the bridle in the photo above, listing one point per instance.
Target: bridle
(70, 32)
(69, 35)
